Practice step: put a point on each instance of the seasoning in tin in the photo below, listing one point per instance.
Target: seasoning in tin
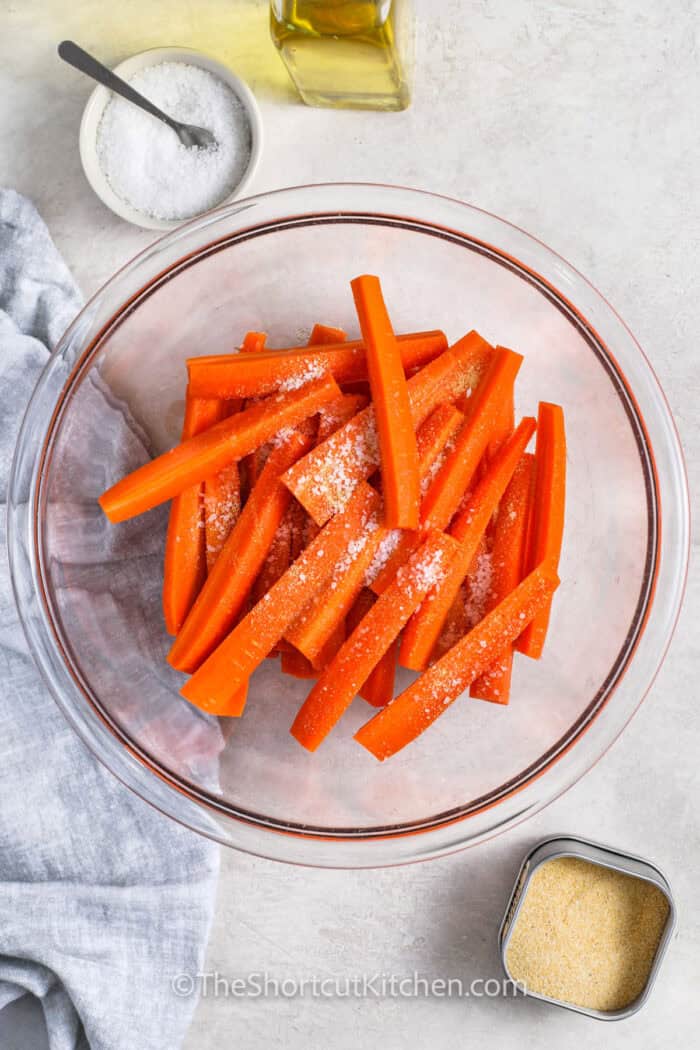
(586, 934)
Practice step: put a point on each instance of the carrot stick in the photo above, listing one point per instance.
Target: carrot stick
(337, 413)
(214, 686)
(327, 610)
(227, 587)
(546, 528)
(229, 375)
(329, 417)
(278, 557)
(250, 465)
(434, 437)
(323, 334)
(456, 624)
(423, 630)
(378, 689)
(507, 555)
(359, 655)
(185, 565)
(222, 505)
(324, 479)
(207, 453)
(407, 716)
(253, 343)
(222, 498)
(455, 476)
(295, 664)
(392, 408)
(504, 425)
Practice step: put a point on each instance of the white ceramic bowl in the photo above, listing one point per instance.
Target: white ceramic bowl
(97, 103)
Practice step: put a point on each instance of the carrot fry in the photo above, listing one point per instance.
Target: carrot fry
(392, 409)
(454, 477)
(227, 587)
(323, 334)
(339, 412)
(504, 425)
(407, 716)
(295, 664)
(378, 689)
(229, 375)
(278, 557)
(507, 555)
(222, 499)
(546, 527)
(326, 611)
(209, 452)
(213, 687)
(456, 624)
(253, 343)
(324, 480)
(433, 437)
(185, 567)
(250, 466)
(358, 656)
(423, 630)
(222, 505)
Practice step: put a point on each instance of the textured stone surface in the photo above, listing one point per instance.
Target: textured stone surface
(578, 121)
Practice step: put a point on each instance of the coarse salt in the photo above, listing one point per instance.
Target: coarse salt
(144, 161)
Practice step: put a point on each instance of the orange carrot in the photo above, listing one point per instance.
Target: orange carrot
(423, 630)
(434, 437)
(278, 557)
(546, 527)
(253, 343)
(504, 425)
(360, 653)
(229, 375)
(250, 466)
(456, 624)
(507, 555)
(392, 409)
(325, 478)
(227, 587)
(222, 498)
(337, 413)
(454, 477)
(378, 688)
(323, 334)
(215, 685)
(222, 505)
(326, 611)
(209, 452)
(185, 565)
(295, 664)
(407, 716)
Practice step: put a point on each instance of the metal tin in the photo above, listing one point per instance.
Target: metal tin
(571, 846)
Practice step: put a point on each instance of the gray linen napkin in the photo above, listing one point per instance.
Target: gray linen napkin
(102, 900)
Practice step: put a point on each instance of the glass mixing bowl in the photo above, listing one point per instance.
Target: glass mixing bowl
(89, 592)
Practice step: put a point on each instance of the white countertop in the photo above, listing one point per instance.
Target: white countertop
(576, 121)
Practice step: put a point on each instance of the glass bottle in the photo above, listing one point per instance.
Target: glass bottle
(345, 53)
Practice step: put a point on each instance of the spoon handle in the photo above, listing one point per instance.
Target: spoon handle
(81, 60)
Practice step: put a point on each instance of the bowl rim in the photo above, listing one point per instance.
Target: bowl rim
(436, 839)
(97, 103)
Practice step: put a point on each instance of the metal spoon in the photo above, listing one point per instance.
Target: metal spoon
(188, 134)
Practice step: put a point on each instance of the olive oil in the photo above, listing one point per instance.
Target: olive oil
(345, 53)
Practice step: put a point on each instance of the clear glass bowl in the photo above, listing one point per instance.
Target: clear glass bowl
(89, 592)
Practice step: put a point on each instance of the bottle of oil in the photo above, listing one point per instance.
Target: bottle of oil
(345, 53)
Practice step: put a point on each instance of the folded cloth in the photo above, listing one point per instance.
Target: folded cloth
(102, 899)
